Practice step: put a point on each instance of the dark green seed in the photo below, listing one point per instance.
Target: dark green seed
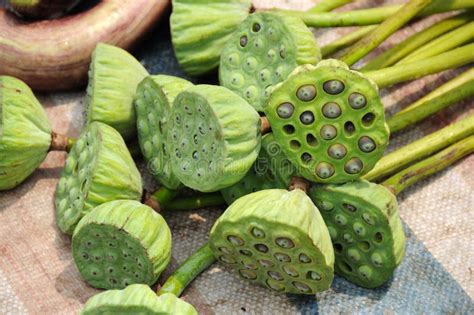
(324, 170)
(256, 27)
(304, 258)
(333, 87)
(243, 41)
(246, 252)
(368, 118)
(306, 93)
(291, 271)
(284, 242)
(258, 232)
(313, 275)
(357, 100)
(275, 276)
(349, 207)
(353, 166)
(307, 118)
(353, 254)
(365, 272)
(337, 151)
(285, 110)
(301, 286)
(306, 157)
(261, 248)
(235, 240)
(282, 257)
(349, 127)
(366, 144)
(328, 132)
(331, 110)
(266, 263)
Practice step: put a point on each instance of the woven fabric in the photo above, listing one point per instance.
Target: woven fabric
(38, 276)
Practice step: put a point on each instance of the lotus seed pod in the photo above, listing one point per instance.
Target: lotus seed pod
(136, 299)
(271, 170)
(41, 9)
(365, 228)
(153, 101)
(25, 134)
(335, 131)
(113, 78)
(99, 168)
(120, 243)
(276, 238)
(213, 136)
(262, 52)
(200, 29)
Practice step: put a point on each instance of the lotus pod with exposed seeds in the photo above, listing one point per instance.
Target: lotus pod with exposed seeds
(262, 52)
(329, 121)
(153, 101)
(213, 137)
(113, 78)
(136, 299)
(278, 239)
(365, 228)
(200, 29)
(41, 9)
(25, 133)
(120, 243)
(99, 168)
(271, 170)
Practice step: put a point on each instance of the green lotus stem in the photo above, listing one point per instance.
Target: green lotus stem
(346, 40)
(201, 201)
(188, 270)
(448, 60)
(383, 31)
(451, 92)
(397, 52)
(433, 164)
(455, 38)
(374, 15)
(421, 148)
(328, 5)
(164, 195)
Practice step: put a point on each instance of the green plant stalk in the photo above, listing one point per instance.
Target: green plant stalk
(410, 71)
(201, 201)
(459, 88)
(397, 52)
(346, 40)
(421, 148)
(383, 31)
(433, 164)
(188, 270)
(374, 15)
(455, 38)
(328, 5)
(164, 195)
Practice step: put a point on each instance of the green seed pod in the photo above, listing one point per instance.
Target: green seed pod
(25, 134)
(277, 239)
(99, 168)
(334, 133)
(262, 52)
(365, 228)
(120, 243)
(153, 101)
(199, 30)
(41, 9)
(271, 170)
(113, 78)
(213, 137)
(136, 299)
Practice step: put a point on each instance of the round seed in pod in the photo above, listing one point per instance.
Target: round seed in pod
(109, 97)
(346, 116)
(367, 260)
(285, 110)
(278, 257)
(136, 298)
(138, 233)
(324, 170)
(20, 152)
(227, 124)
(153, 101)
(268, 38)
(220, 18)
(103, 164)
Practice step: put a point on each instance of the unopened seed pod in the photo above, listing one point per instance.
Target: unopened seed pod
(271, 170)
(329, 121)
(262, 52)
(213, 137)
(113, 78)
(276, 238)
(99, 168)
(41, 9)
(25, 133)
(153, 101)
(136, 299)
(120, 243)
(199, 30)
(365, 228)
